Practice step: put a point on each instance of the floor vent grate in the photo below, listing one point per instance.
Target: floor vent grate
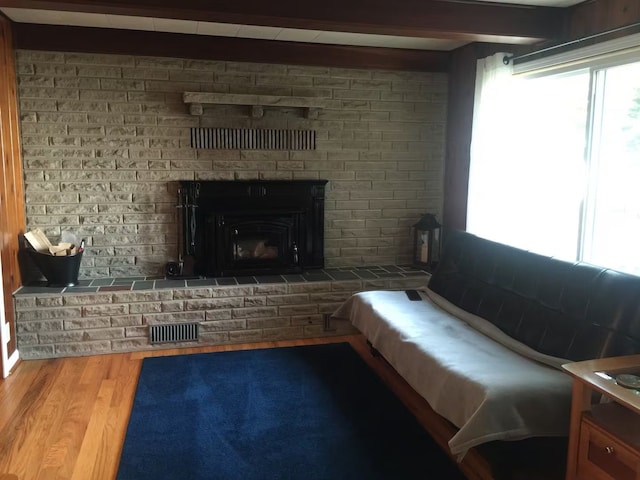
(252, 139)
(176, 332)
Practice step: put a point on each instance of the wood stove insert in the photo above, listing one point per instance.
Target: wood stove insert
(251, 227)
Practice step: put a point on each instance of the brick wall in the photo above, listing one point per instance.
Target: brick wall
(106, 137)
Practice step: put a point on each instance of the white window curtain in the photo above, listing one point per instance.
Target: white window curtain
(527, 175)
(491, 146)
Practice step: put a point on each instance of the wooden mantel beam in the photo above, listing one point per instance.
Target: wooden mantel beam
(467, 21)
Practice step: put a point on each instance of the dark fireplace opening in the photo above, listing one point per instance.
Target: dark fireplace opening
(251, 227)
(257, 242)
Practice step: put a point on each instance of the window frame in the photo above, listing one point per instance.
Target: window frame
(595, 61)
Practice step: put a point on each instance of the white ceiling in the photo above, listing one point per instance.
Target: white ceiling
(99, 20)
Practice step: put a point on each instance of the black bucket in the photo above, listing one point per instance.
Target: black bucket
(59, 271)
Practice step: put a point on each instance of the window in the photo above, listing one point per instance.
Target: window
(559, 172)
(611, 233)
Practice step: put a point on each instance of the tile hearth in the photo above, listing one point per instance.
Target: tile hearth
(151, 283)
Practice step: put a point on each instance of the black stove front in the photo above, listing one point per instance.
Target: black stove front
(251, 227)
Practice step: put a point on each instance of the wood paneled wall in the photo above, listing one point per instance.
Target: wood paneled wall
(12, 219)
(597, 16)
(585, 19)
(462, 78)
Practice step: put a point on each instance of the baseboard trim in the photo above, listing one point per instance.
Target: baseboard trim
(10, 363)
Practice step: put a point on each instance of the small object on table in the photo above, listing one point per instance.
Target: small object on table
(628, 381)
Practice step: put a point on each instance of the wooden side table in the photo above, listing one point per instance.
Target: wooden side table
(604, 435)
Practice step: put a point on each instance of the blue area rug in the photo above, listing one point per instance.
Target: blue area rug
(312, 412)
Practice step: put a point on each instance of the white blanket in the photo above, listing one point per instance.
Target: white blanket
(484, 388)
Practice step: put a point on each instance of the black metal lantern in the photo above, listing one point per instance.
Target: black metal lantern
(426, 242)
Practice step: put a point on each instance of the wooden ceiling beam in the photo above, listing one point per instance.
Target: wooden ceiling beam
(467, 21)
(133, 42)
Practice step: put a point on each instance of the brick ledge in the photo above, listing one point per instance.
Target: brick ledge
(78, 321)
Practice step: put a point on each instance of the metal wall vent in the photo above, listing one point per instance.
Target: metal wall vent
(176, 332)
(252, 139)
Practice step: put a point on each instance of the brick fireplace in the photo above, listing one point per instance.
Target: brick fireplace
(106, 142)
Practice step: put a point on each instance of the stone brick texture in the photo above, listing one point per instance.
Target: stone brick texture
(105, 139)
(76, 324)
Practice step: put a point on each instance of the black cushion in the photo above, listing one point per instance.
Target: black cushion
(571, 310)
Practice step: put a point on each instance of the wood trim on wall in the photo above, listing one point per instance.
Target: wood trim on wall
(132, 42)
(12, 216)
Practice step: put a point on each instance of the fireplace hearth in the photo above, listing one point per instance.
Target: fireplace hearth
(250, 227)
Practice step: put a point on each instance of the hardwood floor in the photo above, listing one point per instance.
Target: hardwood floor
(66, 418)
